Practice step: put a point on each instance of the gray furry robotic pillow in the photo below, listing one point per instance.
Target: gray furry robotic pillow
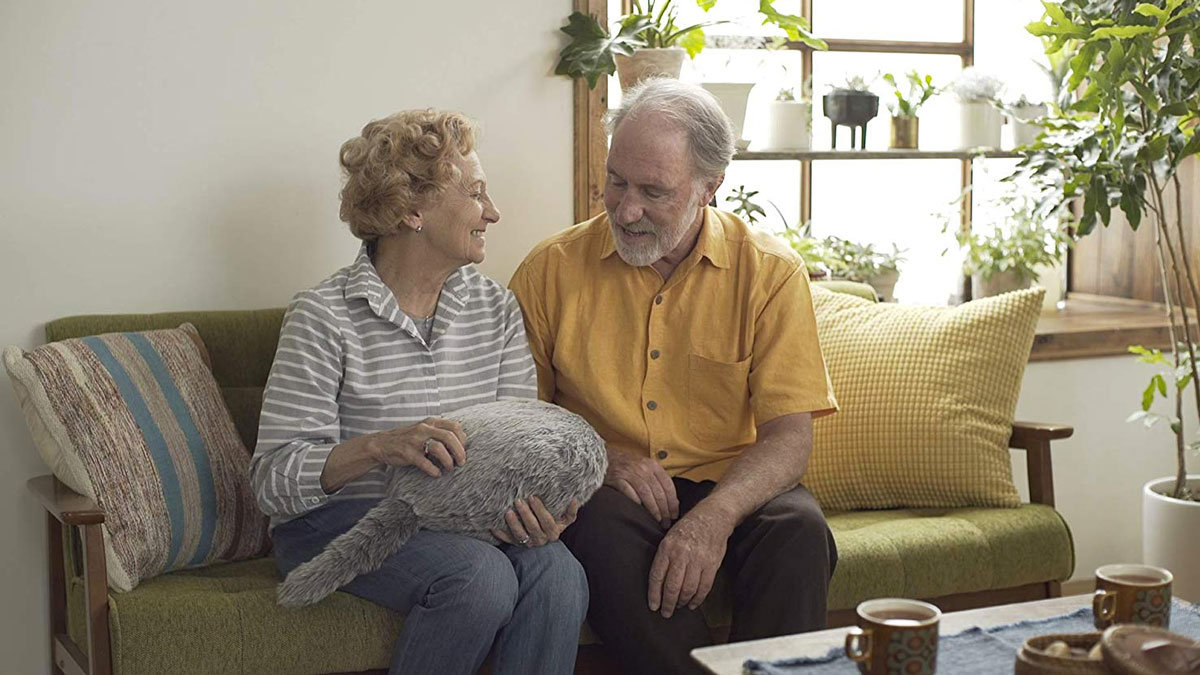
(515, 449)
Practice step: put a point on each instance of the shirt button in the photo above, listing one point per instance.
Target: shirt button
(653, 405)
(662, 454)
(658, 300)
(654, 353)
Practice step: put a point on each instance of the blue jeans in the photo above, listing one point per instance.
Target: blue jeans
(460, 596)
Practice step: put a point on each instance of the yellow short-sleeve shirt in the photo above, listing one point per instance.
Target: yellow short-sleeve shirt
(682, 370)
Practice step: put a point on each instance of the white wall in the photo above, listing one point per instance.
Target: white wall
(164, 155)
(1099, 472)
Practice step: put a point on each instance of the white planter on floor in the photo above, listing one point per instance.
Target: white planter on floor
(979, 125)
(733, 96)
(1171, 534)
(789, 125)
(1023, 132)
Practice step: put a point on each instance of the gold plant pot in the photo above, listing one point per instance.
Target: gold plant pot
(904, 133)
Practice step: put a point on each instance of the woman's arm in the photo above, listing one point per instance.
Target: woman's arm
(299, 425)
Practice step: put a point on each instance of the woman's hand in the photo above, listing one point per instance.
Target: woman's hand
(531, 525)
(431, 445)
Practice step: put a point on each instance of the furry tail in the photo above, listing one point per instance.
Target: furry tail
(361, 549)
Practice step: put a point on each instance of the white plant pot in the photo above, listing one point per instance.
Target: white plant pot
(1023, 132)
(885, 285)
(789, 125)
(979, 125)
(649, 62)
(1171, 535)
(999, 282)
(733, 96)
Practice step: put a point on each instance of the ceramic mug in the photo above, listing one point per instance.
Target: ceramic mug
(894, 636)
(1132, 594)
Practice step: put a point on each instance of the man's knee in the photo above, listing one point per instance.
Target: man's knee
(793, 520)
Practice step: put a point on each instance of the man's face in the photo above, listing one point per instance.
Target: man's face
(651, 194)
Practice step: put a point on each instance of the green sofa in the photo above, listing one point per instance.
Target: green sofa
(223, 619)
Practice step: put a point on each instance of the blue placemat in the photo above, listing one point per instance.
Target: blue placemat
(976, 650)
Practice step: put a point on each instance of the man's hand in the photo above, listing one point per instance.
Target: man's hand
(687, 561)
(645, 482)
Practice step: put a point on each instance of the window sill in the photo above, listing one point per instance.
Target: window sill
(1092, 325)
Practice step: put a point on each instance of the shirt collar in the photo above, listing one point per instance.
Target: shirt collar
(364, 283)
(711, 243)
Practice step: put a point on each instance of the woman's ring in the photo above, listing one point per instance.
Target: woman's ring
(425, 447)
(524, 541)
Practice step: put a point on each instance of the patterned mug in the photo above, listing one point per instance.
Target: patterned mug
(1132, 594)
(894, 636)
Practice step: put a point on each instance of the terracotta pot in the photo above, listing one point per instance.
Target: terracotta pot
(648, 62)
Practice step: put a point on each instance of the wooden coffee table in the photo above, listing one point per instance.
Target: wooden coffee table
(728, 659)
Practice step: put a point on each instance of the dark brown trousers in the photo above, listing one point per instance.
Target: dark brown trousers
(779, 561)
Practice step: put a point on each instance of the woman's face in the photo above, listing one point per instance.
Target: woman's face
(456, 221)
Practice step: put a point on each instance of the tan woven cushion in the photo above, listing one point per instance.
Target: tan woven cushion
(927, 400)
(136, 422)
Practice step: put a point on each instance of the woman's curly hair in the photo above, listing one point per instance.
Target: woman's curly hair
(398, 165)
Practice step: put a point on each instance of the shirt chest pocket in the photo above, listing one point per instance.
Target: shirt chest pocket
(719, 401)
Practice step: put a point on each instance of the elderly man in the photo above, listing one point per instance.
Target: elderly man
(693, 351)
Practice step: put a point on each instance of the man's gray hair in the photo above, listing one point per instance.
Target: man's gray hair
(709, 133)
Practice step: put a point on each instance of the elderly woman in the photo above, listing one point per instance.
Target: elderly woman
(368, 362)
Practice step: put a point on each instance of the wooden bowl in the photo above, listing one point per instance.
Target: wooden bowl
(1034, 660)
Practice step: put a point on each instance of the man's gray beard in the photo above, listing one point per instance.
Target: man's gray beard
(638, 256)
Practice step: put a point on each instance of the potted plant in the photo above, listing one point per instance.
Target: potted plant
(852, 104)
(862, 262)
(648, 41)
(905, 124)
(789, 118)
(1007, 257)
(1118, 146)
(978, 94)
(1020, 113)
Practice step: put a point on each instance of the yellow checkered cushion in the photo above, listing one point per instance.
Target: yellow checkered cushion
(927, 400)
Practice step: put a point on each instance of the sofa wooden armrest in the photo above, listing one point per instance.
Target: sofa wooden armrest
(1034, 438)
(64, 506)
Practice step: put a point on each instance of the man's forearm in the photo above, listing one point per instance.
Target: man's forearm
(771, 466)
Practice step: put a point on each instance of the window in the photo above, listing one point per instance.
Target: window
(888, 201)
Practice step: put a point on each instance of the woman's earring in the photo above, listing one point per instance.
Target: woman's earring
(419, 228)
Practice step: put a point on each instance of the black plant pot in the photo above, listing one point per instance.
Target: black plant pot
(854, 109)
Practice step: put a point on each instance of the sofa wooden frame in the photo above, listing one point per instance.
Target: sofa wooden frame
(64, 507)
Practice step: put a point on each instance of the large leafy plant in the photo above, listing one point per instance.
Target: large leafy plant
(1118, 147)
(653, 25)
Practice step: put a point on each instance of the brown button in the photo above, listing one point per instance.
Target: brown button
(654, 353)
(658, 300)
(662, 454)
(652, 405)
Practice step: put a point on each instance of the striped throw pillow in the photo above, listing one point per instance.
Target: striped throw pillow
(136, 422)
(927, 398)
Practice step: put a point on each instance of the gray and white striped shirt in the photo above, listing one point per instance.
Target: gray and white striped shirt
(350, 362)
